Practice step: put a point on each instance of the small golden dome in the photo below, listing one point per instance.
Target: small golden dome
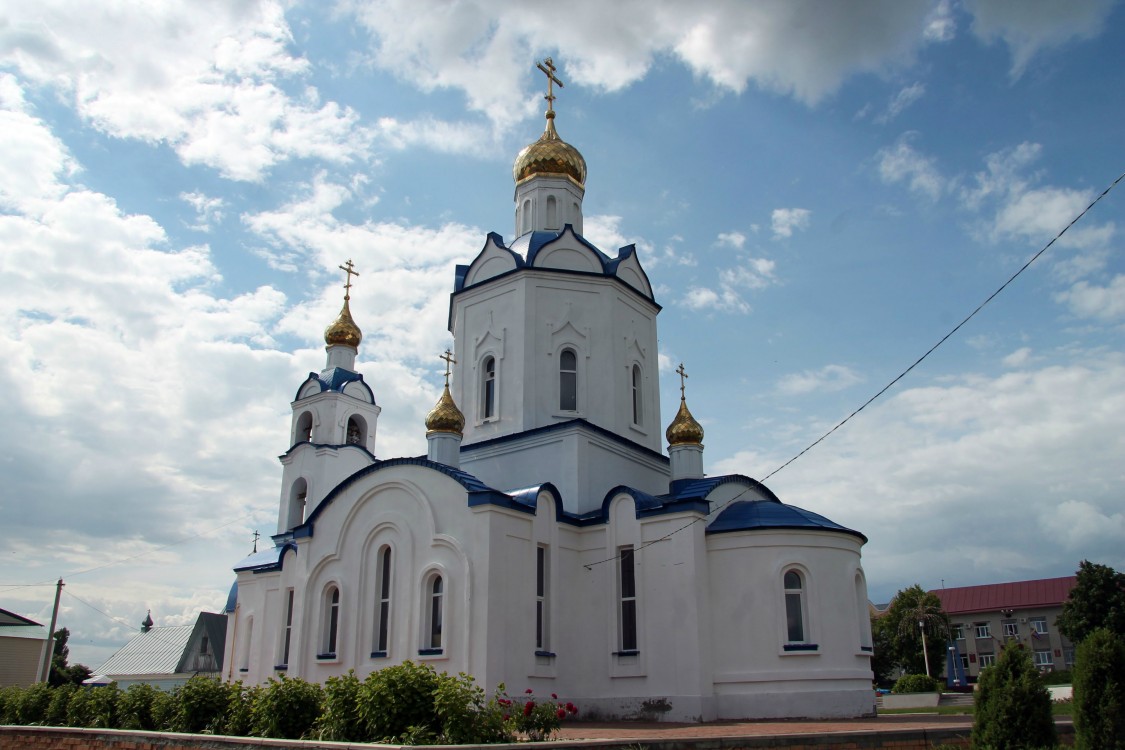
(550, 155)
(684, 430)
(445, 416)
(343, 330)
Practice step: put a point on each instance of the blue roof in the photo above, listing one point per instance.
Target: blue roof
(267, 559)
(232, 597)
(336, 380)
(759, 515)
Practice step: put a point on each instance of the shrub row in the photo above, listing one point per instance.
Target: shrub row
(404, 704)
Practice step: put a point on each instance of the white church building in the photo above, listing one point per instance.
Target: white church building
(546, 540)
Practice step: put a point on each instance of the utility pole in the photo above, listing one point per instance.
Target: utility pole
(926, 656)
(49, 646)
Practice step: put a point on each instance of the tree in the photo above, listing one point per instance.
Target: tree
(61, 673)
(1099, 692)
(1012, 705)
(1096, 601)
(898, 629)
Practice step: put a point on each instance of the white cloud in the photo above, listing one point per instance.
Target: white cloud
(1019, 358)
(732, 239)
(784, 221)
(212, 89)
(1035, 25)
(1087, 300)
(752, 274)
(902, 163)
(900, 101)
(724, 300)
(209, 211)
(825, 380)
(940, 24)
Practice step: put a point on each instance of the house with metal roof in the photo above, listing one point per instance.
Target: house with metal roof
(556, 535)
(22, 645)
(166, 657)
(986, 617)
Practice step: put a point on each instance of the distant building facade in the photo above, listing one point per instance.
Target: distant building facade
(166, 657)
(22, 642)
(986, 617)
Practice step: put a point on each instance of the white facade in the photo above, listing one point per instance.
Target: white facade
(549, 543)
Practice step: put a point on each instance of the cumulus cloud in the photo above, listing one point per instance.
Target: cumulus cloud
(751, 274)
(825, 380)
(209, 211)
(940, 24)
(1087, 300)
(900, 101)
(784, 221)
(903, 163)
(732, 239)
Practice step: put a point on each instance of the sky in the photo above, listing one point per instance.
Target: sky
(818, 191)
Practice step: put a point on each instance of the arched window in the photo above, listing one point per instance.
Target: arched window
(861, 610)
(304, 428)
(526, 223)
(383, 611)
(552, 212)
(331, 624)
(436, 595)
(627, 597)
(488, 388)
(298, 495)
(568, 380)
(636, 392)
(357, 430)
(794, 607)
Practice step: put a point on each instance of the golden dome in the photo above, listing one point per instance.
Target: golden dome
(684, 430)
(550, 155)
(343, 330)
(445, 416)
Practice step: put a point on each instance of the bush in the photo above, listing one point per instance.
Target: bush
(239, 719)
(33, 704)
(399, 700)
(341, 720)
(200, 705)
(134, 707)
(916, 683)
(10, 704)
(1099, 692)
(57, 709)
(467, 717)
(287, 708)
(1012, 706)
(165, 706)
(1058, 677)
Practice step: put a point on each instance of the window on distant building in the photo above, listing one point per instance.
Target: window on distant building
(568, 380)
(1068, 657)
(1043, 659)
(488, 388)
(287, 638)
(435, 615)
(964, 661)
(541, 613)
(1038, 625)
(383, 613)
(986, 660)
(357, 430)
(959, 632)
(794, 607)
(1011, 629)
(627, 579)
(331, 624)
(636, 391)
(984, 630)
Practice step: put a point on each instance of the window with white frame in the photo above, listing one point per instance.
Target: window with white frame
(1011, 629)
(986, 660)
(984, 630)
(287, 636)
(964, 661)
(1038, 625)
(1068, 657)
(795, 630)
(627, 586)
(1043, 659)
(636, 393)
(568, 380)
(331, 625)
(383, 607)
(542, 632)
(435, 613)
(488, 389)
(958, 632)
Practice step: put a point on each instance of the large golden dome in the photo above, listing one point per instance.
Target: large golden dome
(445, 416)
(550, 155)
(343, 330)
(684, 430)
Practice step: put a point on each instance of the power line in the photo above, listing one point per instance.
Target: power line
(889, 385)
(100, 612)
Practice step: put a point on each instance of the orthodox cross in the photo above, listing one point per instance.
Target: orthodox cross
(256, 537)
(449, 360)
(683, 376)
(349, 269)
(548, 68)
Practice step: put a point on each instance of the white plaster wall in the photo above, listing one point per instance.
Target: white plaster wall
(322, 468)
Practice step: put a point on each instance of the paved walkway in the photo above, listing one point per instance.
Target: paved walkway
(630, 730)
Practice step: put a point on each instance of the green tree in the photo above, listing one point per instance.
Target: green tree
(1096, 601)
(1099, 692)
(1012, 705)
(61, 672)
(898, 631)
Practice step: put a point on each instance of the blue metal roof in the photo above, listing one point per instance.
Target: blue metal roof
(759, 515)
(232, 597)
(335, 380)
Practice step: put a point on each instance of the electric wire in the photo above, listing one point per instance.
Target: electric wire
(888, 386)
(100, 612)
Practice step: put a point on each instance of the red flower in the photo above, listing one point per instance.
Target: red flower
(571, 707)
(554, 697)
(503, 701)
(528, 708)
(528, 691)
(507, 716)
(562, 713)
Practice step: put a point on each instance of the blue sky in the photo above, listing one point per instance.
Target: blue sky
(818, 192)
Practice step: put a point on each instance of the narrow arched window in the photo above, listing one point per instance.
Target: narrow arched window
(568, 380)
(298, 496)
(794, 607)
(304, 428)
(488, 388)
(357, 430)
(331, 623)
(434, 629)
(636, 392)
(552, 212)
(383, 614)
(526, 224)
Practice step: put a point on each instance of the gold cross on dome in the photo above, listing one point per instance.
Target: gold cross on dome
(449, 360)
(683, 376)
(548, 68)
(349, 269)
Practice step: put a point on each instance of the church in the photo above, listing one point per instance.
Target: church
(546, 540)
